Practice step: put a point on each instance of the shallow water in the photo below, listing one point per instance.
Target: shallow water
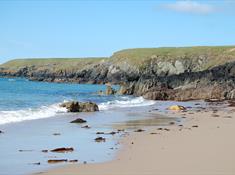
(30, 115)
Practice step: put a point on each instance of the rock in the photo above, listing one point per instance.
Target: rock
(112, 133)
(195, 126)
(177, 108)
(139, 130)
(1, 132)
(71, 106)
(56, 134)
(86, 126)
(25, 150)
(153, 133)
(109, 90)
(78, 120)
(45, 151)
(100, 92)
(75, 106)
(62, 150)
(100, 139)
(57, 160)
(88, 107)
(100, 133)
(37, 163)
(73, 161)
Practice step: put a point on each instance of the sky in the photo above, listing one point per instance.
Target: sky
(86, 28)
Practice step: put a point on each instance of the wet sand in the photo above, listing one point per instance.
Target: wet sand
(203, 145)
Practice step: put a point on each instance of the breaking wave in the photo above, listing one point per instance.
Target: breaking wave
(126, 102)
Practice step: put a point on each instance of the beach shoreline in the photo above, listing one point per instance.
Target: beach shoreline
(203, 144)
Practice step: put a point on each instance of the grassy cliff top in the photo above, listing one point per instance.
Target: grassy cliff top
(60, 63)
(215, 55)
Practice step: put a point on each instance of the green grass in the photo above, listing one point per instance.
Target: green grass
(139, 57)
(55, 63)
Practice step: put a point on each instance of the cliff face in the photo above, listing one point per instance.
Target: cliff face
(155, 73)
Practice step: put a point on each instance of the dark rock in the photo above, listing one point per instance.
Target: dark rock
(62, 150)
(109, 90)
(75, 106)
(121, 130)
(153, 133)
(156, 76)
(37, 163)
(100, 133)
(56, 134)
(215, 115)
(78, 120)
(86, 126)
(195, 126)
(57, 160)
(25, 150)
(139, 130)
(73, 161)
(45, 151)
(1, 132)
(100, 139)
(112, 133)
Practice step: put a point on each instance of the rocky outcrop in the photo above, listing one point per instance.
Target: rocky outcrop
(109, 90)
(154, 73)
(218, 83)
(75, 106)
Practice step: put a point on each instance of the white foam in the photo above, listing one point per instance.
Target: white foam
(30, 114)
(126, 102)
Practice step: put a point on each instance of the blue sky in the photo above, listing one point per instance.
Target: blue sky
(69, 28)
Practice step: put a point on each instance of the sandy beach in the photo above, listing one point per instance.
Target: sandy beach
(204, 144)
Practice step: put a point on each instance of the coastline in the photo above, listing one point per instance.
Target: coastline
(203, 145)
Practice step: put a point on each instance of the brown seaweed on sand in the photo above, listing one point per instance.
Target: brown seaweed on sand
(57, 160)
(62, 150)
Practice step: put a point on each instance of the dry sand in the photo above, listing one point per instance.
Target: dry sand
(208, 149)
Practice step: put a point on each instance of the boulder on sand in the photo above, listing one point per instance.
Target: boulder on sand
(75, 106)
(79, 120)
(177, 108)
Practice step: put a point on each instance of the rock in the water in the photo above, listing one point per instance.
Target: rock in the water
(78, 120)
(100, 139)
(73, 161)
(88, 107)
(86, 126)
(62, 150)
(76, 106)
(139, 130)
(177, 108)
(110, 90)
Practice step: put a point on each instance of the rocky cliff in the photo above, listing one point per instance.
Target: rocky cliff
(156, 73)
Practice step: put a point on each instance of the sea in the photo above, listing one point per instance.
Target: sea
(22, 100)
(31, 120)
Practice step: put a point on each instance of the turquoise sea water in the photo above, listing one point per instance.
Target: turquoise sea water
(21, 99)
(30, 115)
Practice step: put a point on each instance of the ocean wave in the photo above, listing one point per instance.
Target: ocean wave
(30, 114)
(126, 102)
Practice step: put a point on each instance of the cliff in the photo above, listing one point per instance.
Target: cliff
(156, 73)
